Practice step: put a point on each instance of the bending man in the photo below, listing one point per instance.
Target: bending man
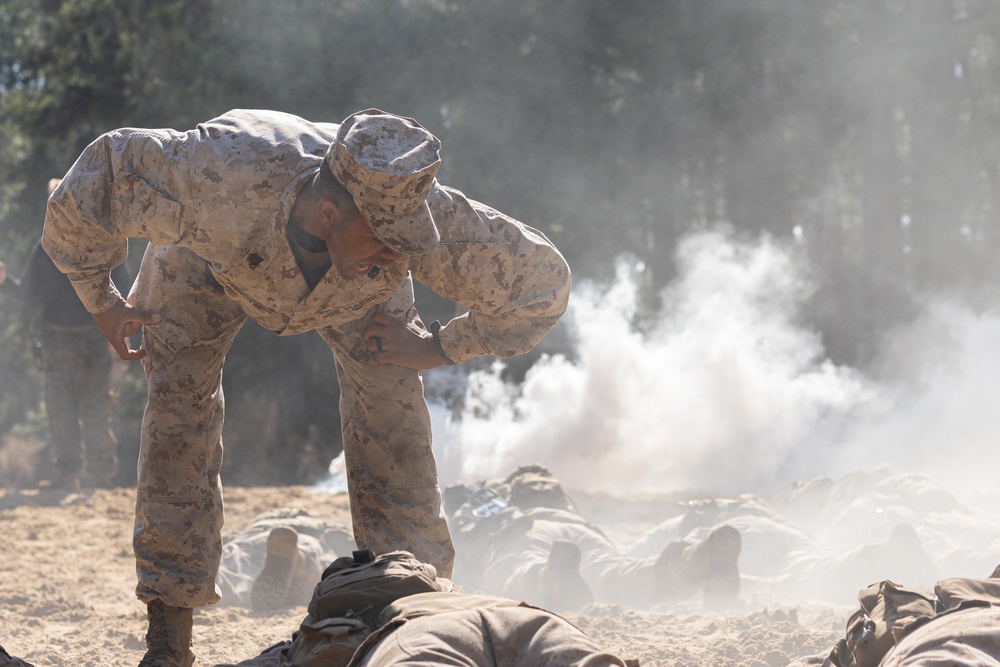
(301, 226)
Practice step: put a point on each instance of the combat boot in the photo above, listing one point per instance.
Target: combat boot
(671, 581)
(100, 476)
(7, 660)
(272, 586)
(713, 564)
(559, 584)
(710, 565)
(168, 640)
(65, 481)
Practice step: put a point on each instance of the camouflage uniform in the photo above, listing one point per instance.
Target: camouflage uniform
(214, 202)
(457, 629)
(524, 545)
(243, 554)
(76, 364)
(523, 537)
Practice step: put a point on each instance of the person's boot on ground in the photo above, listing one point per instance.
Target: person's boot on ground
(101, 476)
(272, 587)
(721, 551)
(561, 587)
(168, 640)
(65, 481)
(671, 581)
(710, 564)
(7, 660)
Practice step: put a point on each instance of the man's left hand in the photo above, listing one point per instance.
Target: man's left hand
(406, 344)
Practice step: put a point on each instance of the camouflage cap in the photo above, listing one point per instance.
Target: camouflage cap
(388, 164)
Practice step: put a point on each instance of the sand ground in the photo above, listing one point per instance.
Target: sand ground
(67, 581)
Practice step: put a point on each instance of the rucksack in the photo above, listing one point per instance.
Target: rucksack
(347, 601)
(887, 612)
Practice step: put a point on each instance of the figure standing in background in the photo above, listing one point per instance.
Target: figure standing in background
(77, 365)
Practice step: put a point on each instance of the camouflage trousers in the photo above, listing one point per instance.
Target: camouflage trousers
(76, 365)
(392, 476)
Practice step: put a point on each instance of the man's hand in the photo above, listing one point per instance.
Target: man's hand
(409, 345)
(3, 273)
(121, 321)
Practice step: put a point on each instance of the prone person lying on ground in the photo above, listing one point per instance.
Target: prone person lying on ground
(522, 537)
(276, 560)
(393, 610)
(829, 537)
(955, 624)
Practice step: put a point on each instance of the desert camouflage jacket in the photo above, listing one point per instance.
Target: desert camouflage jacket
(225, 191)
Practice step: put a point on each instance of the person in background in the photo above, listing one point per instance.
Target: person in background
(276, 561)
(301, 226)
(449, 627)
(522, 537)
(78, 367)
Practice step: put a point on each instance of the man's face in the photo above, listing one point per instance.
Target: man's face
(354, 249)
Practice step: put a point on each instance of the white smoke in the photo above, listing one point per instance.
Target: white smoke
(726, 391)
(942, 418)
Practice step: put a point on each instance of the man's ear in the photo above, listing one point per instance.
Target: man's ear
(328, 212)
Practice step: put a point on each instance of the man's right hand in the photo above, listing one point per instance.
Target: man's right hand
(3, 273)
(122, 321)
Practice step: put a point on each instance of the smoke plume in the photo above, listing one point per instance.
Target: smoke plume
(724, 389)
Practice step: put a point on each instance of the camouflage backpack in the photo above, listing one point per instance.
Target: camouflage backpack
(887, 612)
(347, 601)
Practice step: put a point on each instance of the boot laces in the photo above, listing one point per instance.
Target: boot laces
(162, 633)
(166, 638)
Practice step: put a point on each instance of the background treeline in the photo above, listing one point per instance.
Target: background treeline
(866, 130)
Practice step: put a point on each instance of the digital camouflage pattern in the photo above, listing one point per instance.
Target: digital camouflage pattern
(225, 191)
(388, 164)
(214, 203)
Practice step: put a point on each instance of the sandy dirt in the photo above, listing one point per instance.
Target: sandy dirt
(66, 591)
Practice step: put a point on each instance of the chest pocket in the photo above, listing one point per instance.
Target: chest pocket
(146, 212)
(392, 294)
(264, 301)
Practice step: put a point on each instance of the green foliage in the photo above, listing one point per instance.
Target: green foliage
(20, 381)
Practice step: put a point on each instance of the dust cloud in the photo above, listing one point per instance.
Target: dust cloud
(724, 389)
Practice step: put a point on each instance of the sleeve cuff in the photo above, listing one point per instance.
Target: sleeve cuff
(97, 293)
(436, 335)
(457, 340)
